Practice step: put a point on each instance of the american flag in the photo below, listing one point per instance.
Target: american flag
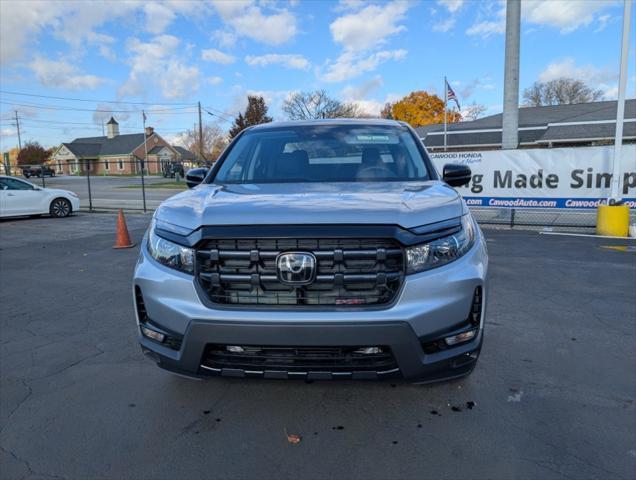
(450, 95)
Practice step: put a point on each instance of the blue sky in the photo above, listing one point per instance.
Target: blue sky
(172, 54)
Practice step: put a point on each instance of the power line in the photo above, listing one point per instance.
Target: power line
(221, 114)
(93, 100)
(74, 109)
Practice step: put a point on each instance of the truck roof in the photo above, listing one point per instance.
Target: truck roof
(330, 121)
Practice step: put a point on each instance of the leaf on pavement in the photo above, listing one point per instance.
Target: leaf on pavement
(293, 438)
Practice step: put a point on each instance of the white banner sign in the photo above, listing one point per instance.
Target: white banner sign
(543, 178)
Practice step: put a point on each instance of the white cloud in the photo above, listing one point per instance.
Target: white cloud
(20, 25)
(565, 15)
(179, 79)
(361, 91)
(452, 5)
(604, 79)
(224, 38)
(350, 65)
(103, 112)
(76, 22)
(158, 17)
(445, 25)
(345, 5)
(492, 22)
(358, 94)
(603, 20)
(245, 18)
(214, 55)
(8, 132)
(297, 62)
(370, 26)
(159, 61)
(215, 81)
(449, 19)
(62, 74)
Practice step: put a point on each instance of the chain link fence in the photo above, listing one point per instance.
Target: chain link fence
(110, 184)
(139, 186)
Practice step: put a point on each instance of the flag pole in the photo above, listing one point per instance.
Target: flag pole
(615, 193)
(445, 110)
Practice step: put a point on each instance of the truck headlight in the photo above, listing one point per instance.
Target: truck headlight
(169, 253)
(441, 251)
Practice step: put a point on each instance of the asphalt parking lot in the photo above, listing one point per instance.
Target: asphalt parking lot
(553, 395)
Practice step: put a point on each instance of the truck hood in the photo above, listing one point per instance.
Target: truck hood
(408, 204)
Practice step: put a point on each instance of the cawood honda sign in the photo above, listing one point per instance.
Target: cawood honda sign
(543, 178)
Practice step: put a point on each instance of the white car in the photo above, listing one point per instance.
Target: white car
(19, 197)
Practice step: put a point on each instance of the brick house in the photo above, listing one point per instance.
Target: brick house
(116, 154)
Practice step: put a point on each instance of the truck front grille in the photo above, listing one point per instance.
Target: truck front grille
(349, 272)
(298, 359)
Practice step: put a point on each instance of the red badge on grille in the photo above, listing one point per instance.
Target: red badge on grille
(349, 301)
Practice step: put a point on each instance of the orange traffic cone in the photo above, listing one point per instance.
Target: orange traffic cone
(123, 238)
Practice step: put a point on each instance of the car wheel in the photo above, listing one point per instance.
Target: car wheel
(60, 207)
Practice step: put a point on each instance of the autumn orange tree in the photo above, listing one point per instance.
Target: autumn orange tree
(420, 108)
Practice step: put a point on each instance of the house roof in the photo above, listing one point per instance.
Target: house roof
(553, 123)
(97, 146)
(185, 153)
(83, 149)
(157, 149)
(112, 121)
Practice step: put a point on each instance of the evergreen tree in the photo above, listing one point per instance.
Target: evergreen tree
(255, 113)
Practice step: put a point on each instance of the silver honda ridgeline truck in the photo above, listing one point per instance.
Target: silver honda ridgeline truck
(316, 250)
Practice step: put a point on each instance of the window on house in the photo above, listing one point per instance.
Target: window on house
(121, 164)
(106, 165)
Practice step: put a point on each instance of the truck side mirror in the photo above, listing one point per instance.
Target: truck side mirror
(456, 175)
(195, 176)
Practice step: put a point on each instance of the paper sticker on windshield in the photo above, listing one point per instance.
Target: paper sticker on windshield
(366, 138)
(372, 138)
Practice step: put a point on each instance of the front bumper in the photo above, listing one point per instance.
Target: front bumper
(430, 306)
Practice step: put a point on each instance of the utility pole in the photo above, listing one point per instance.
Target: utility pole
(615, 193)
(144, 162)
(510, 118)
(17, 124)
(200, 133)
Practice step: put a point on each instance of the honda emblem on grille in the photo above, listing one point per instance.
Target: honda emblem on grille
(296, 268)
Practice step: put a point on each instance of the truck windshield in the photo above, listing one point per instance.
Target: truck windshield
(324, 153)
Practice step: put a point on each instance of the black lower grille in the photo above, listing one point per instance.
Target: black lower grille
(349, 272)
(299, 359)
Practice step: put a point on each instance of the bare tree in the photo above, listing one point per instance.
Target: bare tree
(317, 104)
(473, 112)
(214, 141)
(558, 92)
(387, 111)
